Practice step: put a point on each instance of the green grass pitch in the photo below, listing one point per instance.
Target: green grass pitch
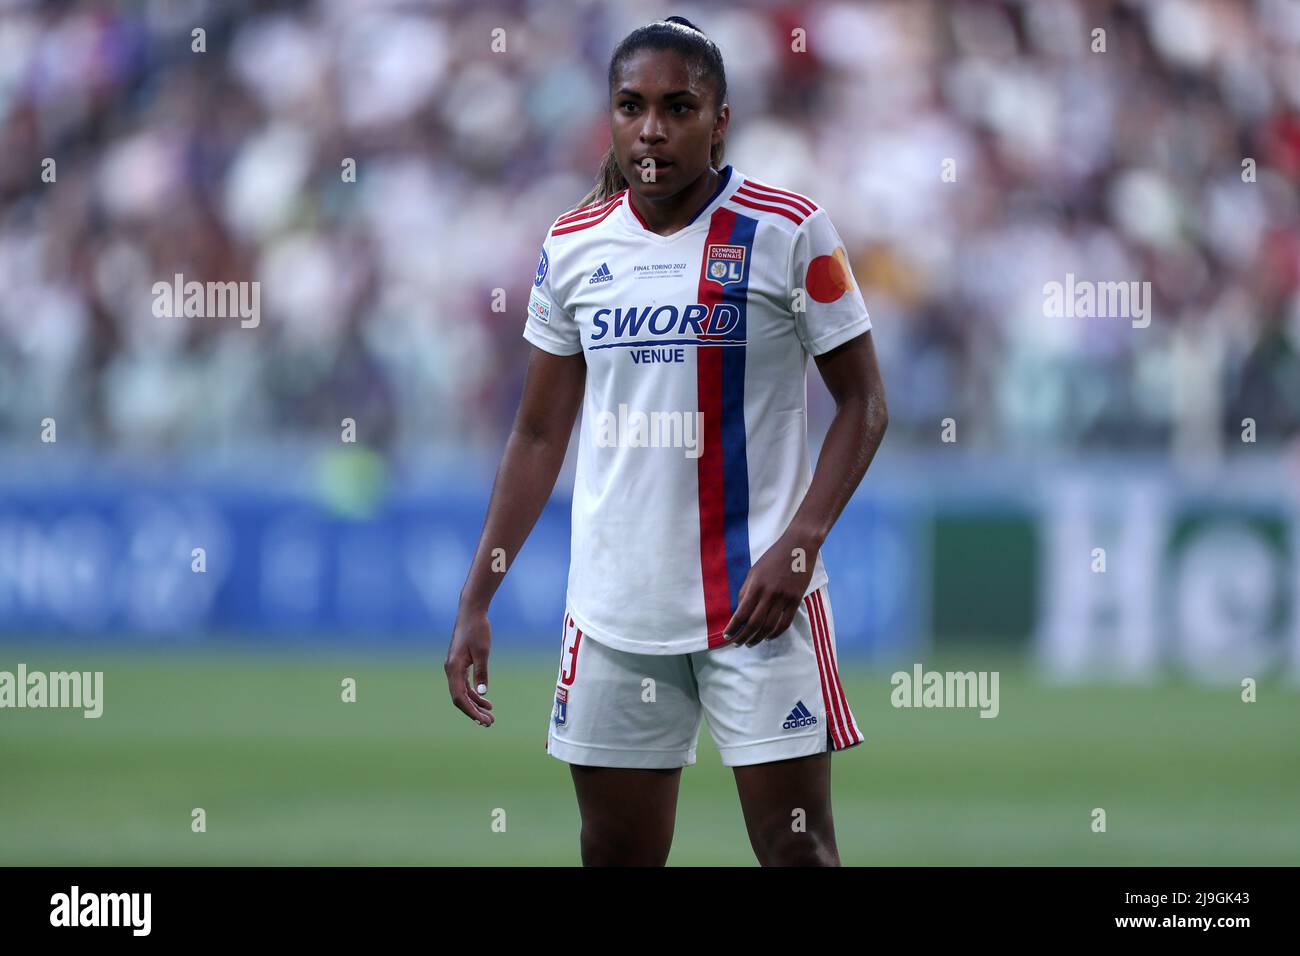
(289, 774)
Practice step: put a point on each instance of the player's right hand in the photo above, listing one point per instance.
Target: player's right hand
(471, 639)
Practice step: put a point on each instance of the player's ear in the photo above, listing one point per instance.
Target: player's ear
(721, 122)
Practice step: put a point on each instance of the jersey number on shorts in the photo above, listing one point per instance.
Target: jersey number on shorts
(570, 657)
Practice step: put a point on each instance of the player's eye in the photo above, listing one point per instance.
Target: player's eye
(627, 106)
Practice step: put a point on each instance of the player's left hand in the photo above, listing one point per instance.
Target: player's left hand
(770, 596)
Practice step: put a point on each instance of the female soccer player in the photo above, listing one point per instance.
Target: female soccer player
(678, 305)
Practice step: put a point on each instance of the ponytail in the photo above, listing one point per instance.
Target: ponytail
(609, 180)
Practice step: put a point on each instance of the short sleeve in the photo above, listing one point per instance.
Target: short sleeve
(548, 325)
(832, 307)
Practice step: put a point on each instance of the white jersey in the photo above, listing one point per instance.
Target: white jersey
(693, 448)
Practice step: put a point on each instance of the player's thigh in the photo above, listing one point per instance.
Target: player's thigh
(626, 724)
(794, 793)
(628, 815)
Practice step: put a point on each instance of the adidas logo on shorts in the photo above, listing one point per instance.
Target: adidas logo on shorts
(801, 716)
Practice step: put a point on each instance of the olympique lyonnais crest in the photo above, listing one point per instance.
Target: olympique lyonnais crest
(725, 264)
(561, 705)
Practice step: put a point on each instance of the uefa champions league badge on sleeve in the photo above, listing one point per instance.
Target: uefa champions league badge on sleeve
(561, 705)
(726, 263)
(543, 264)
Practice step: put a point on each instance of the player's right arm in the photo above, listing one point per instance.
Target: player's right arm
(534, 453)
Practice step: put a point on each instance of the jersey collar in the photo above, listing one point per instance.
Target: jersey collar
(728, 182)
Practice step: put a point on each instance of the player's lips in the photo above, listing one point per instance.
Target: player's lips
(653, 162)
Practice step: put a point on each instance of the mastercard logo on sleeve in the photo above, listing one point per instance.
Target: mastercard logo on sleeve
(829, 277)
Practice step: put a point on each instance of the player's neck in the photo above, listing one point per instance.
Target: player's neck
(671, 214)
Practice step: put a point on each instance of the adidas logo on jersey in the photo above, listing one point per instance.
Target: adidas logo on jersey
(801, 716)
(601, 275)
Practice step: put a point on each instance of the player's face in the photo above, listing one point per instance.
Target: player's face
(664, 119)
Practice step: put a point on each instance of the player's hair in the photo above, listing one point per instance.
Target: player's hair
(674, 33)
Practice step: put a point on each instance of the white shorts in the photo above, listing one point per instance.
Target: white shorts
(777, 700)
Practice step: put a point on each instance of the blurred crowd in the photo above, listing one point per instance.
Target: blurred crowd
(968, 153)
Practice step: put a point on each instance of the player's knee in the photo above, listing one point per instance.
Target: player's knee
(603, 846)
(784, 846)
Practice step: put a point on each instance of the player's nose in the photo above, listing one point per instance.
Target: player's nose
(652, 127)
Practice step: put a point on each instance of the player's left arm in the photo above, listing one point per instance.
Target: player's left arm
(773, 589)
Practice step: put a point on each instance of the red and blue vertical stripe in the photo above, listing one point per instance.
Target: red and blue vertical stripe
(723, 468)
